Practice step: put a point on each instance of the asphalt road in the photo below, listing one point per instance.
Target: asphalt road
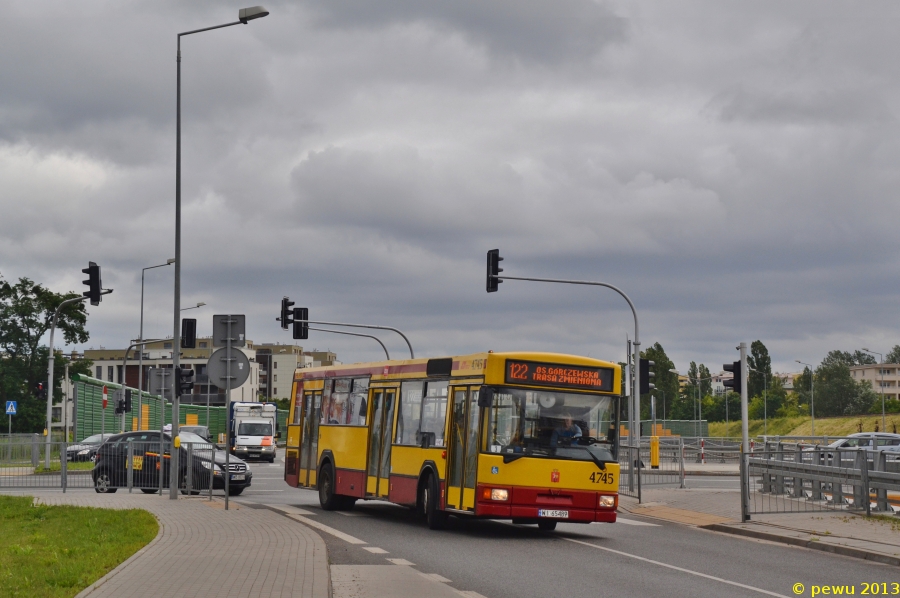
(635, 557)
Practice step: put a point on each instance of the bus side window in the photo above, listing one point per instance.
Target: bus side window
(358, 401)
(434, 415)
(410, 412)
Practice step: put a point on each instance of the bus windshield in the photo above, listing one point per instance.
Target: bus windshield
(558, 425)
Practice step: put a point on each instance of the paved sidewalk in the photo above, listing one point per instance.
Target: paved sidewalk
(840, 532)
(203, 550)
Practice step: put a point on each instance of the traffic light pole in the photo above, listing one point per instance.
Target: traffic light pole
(745, 436)
(408, 344)
(378, 340)
(50, 359)
(636, 376)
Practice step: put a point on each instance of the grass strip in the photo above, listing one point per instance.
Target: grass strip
(57, 551)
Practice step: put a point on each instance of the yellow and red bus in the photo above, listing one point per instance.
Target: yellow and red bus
(529, 437)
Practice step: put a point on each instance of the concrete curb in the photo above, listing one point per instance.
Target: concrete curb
(858, 553)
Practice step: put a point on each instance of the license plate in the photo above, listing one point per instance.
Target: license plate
(240, 476)
(554, 514)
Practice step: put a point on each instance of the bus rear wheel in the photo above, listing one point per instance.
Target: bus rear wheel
(434, 516)
(327, 498)
(547, 525)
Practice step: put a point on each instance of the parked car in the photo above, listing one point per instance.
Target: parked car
(86, 449)
(201, 431)
(111, 464)
(870, 441)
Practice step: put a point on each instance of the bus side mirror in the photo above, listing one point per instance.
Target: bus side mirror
(277, 435)
(486, 396)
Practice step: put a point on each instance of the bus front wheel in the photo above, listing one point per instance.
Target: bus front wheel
(436, 518)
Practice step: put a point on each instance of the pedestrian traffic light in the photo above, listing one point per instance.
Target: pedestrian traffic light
(301, 326)
(493, 270)
(185, 380)
(93, 283)
(645, 386)
(737, 382)
(127, 408)
(286, 314)
(188, 333)
(39, 391)
(120, 402)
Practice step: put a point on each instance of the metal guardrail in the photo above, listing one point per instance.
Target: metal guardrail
(22, 466)
(638, 468)
(791, 477)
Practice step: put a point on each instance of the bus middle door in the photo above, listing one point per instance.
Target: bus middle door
(309, 438)
(463, 449)
(378, 468)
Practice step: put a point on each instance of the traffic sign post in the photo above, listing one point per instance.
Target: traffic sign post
(10, 411)
(229, 330)
(103, 414)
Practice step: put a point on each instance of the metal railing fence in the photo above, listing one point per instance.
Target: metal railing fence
(133, 465)
(790, 478)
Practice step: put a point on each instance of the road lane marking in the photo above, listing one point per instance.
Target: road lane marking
(636, 522)
(434, 577)
(682, 569)
(402, 562)
(350, 514)
(375, 549)
(469, 594)
(328, 530)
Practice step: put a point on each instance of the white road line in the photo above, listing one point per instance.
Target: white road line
(350, 514)
(682, 569)
(434, 577)
(328, 530)
(402, 562)
(635, 522)
(375, 549)
(469, 594)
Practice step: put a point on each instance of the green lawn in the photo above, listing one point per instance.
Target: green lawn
(59, 551)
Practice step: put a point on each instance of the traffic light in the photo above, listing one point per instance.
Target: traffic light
(39, 391)
(645, 386)
(301, 329)
(188, 333)
(127, 407)
(493, 270)
(185, 381)
(120, 402)
(93, 283)
(286, 315)
(737, 382)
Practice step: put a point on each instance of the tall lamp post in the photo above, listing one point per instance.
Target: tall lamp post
(169, 262)
(245, 15)
(812, 404)
(880, 369)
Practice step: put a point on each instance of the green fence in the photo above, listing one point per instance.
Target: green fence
(90, 416)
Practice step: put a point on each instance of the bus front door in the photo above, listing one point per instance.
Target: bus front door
(463, 449)
(309, 438)
(380, 433)
(292, 444)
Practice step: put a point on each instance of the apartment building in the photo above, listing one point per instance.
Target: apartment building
(883, 377)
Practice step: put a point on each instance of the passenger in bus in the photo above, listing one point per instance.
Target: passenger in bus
(567, 430)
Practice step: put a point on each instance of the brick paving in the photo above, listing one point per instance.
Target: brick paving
(203, 550)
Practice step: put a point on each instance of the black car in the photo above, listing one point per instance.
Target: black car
(111, 464)
(86, 449)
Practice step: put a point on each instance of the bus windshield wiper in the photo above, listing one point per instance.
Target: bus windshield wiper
(510, 457)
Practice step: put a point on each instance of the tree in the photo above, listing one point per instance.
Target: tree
(760, 374)
(666, 383)
(893, 355)
(26, 314)
(837, 393)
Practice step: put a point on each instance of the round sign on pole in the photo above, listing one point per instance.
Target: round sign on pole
(240, 367)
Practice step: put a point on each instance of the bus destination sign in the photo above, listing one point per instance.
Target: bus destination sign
(559, 375)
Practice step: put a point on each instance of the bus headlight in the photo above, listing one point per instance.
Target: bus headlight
(500, 494)
(605, 501)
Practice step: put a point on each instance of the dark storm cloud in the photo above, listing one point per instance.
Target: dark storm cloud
(732, 167)
(532, 30)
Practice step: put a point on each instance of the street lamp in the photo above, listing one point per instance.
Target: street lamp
(812, 405)
(244, 16)
(201, 304)
(169, 262)
(881, 369)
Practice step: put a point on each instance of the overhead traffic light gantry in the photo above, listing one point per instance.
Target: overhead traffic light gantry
(287, 316)
(299, 321)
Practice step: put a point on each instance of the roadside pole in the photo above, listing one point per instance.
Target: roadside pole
(228, 340)
(745, 437)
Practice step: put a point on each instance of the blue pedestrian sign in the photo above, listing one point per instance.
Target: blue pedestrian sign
(10, 407)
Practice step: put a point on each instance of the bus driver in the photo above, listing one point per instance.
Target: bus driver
(567, 430)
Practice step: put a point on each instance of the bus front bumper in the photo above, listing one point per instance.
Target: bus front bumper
(533, 504)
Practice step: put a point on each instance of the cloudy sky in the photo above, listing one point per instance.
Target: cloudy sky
(730, 166)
